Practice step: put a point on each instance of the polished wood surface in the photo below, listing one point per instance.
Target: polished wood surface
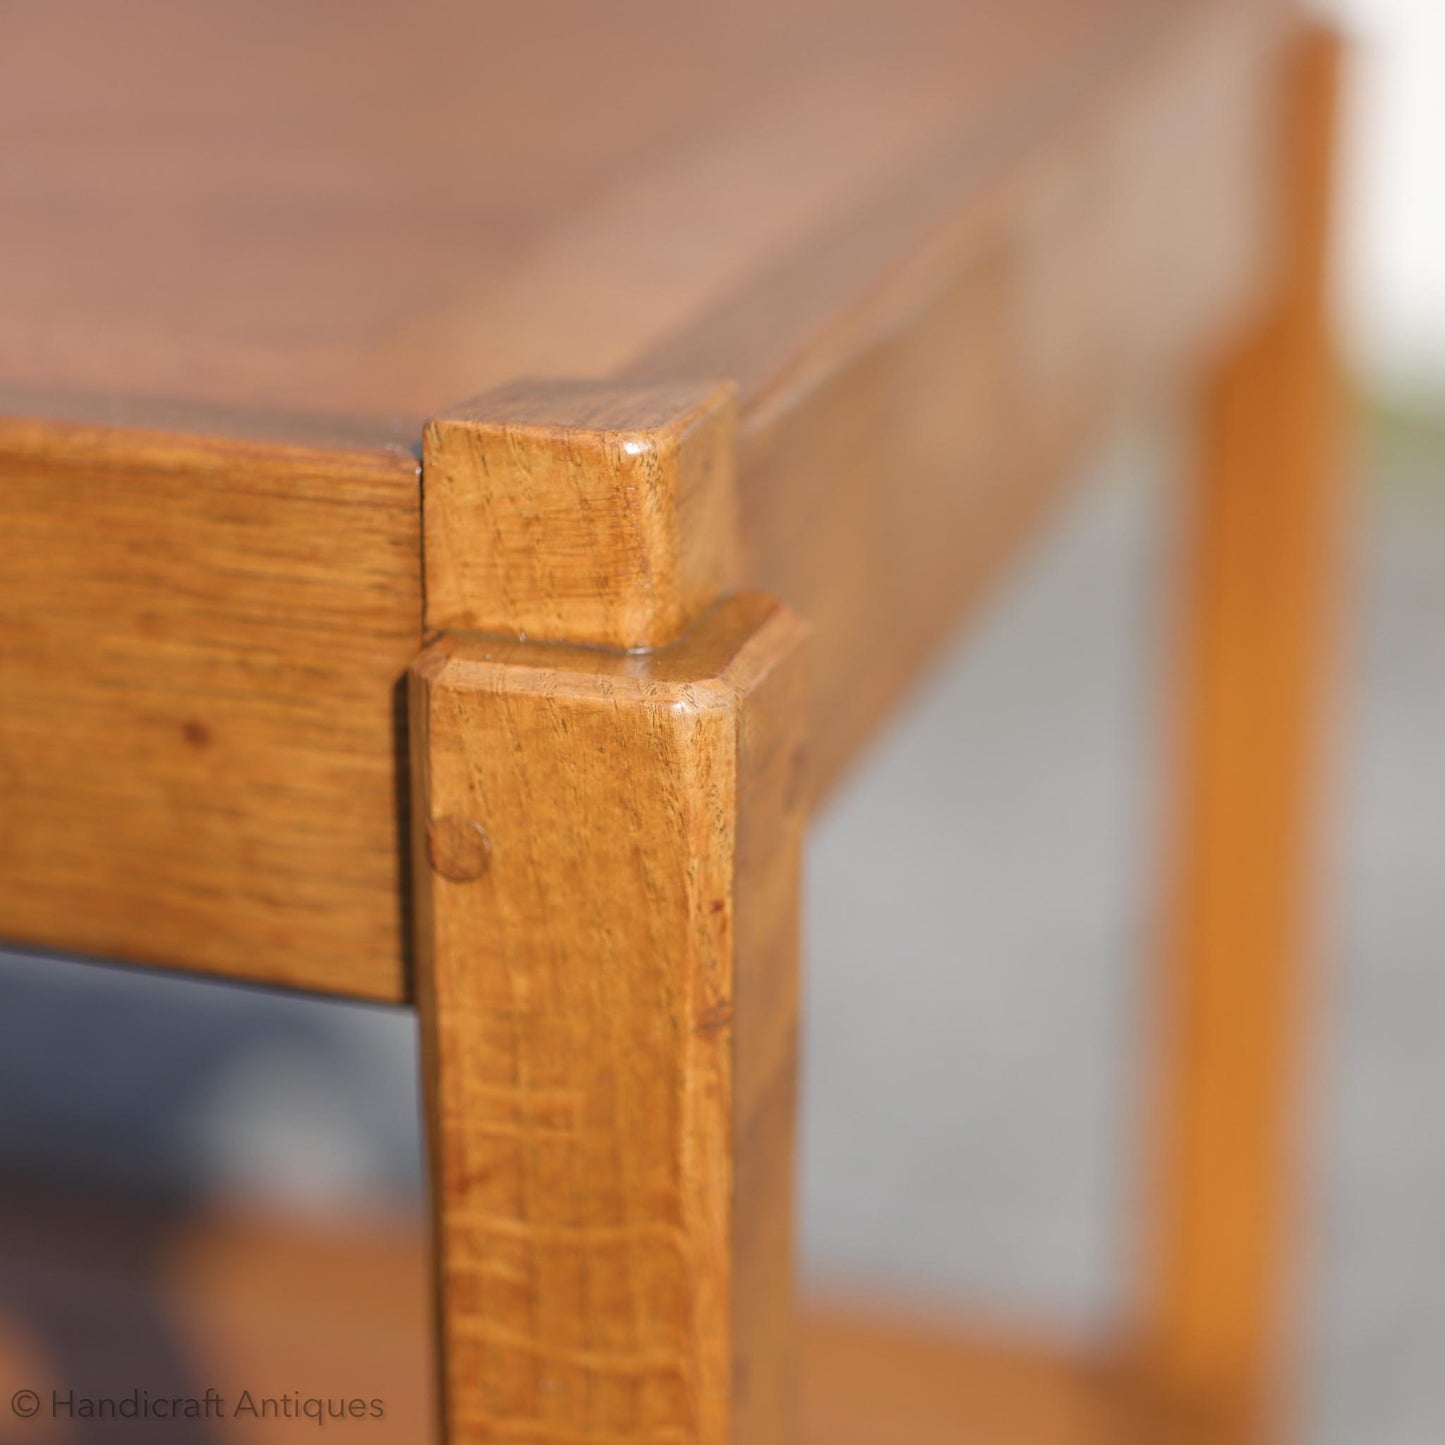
(888, 478)
(1066, 213)
(1265, 548)
(606, 866)
(843, 293)
(381, 209)
(581, 512)
(200, 647)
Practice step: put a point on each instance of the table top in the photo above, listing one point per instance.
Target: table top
(858, 283)
(381, 209)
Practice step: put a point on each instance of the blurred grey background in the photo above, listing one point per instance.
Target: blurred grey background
(978, 919)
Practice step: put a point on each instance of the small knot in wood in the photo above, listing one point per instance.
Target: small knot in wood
(458, 848)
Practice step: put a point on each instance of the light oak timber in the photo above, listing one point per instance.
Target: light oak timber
(581, 512)
(875, 1375)
(201, 643)
(920, 362)
(852, 312)
(568, 190)
(892, 456)
(888, 473)
(608, 999)
(1265, 549)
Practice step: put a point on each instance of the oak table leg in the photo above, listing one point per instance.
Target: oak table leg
(607, 879)
(1256, 647)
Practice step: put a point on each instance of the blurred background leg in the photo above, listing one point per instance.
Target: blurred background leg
(1255, 653)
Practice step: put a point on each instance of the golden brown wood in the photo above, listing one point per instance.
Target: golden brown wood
(581, 512)
(933, 256)
(891, 462)
(875, 1376)
(888, 473)
(272, 1305)
(436, 199)
(1262, 570)
(932, 278)
(608, 1014)
(201, 643)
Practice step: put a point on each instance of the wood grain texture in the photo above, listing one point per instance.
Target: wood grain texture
(200, 648)
(608, 1014)
(568, 189)
(888, 473)
(1265, 549)
(931, 292)
(581, 512)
